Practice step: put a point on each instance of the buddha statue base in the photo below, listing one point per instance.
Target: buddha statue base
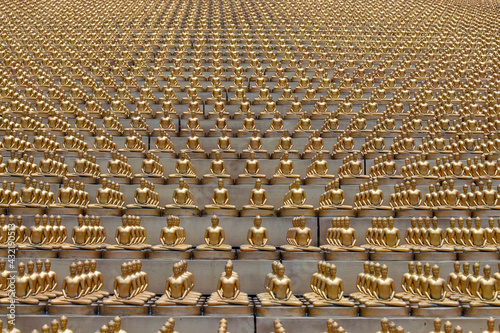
(177, 309)
(257, 255)
(216, 132)
(477, 255)
(155, 179)
(100, 210)
(279, 309)
(24, 309)
(124, 254)
(437, 311)
(122, 309)
(220, 212)
(55, 210)
(486, 212)
(318, 180)
(296, 211)
(247, 179)
(436, 255)
(180, 211)
(303, 255)
(214, 255)
(130, 153)
(310, 154)
(164, 153)
(174, 179)
(78, 253)
(243, 133)
(302, 134)
(384, 311)
(224, 154)
(332, 211)
(283, 180)
(164, 253)
(391, 255)
(125, 180)
(77, 309)
(346, 255)
(450, 212)
(354, 180)
(273, 134)
(215, 180)
(331, 133)
(3, 210)
(196, 154)
(414, 211)
(228, 310)
(374, 212)
(292, 154)
(254, 211)
(481, 311)
(143, 210)
(170, 132)
(332, 311)
(258, 154)
(38, 252)
(27, 210)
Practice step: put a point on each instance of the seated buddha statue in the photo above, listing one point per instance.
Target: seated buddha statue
(214, 238)
(299, 237)
(257, 238)
(220, 198)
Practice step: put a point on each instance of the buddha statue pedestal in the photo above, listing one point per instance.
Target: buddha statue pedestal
(229, 309)
(346, 255)
(77, 252)
(426, 254)
(279, 309)
(384, 311)
(480, 311)
(258, 255)
(181, 211)
(117, 253)
(162, 307)
(215, 254)
(77, 309)
(64, 210)
(374, 212)
(129, 310)
(330, 310)
(23, 210)
(436, 311)
(37, 253)
(100, 210)
(476, 255)
(25, 309)
(391, 255)
(224, 154)
(215, 180)
(145, 211)
(156, 253)
(449, 212)
(255, 211)
(485, 212)
(354, 180)
(297, 210)
(302, 255)
(332, 211)
(248, 179)
(220, 211)
(420, 211)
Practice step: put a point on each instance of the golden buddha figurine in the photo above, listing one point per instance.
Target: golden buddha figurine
(172, 237)
(328, 289)
(228, 289)
(182, 197)
(333, 197)
(296, 198)
(299, 237)
(252, 168)
(224, 144)
(341, 237)
(83, 237)
(258, 198)
(381, 289)
(285, 144)
(279, 290)
(214, 238)
(318, 168)
(217, 168)
(145, 196)
(276, 125)
(220, 198)
(179, 288)
(257, 238)
(434, 239)
(128, 289)
(163, 143)
(183, 167)
(74, 289)
(435, 291)
(255, 144)
(193, 143)
(486, 290)
(285, 168)
(130, 235)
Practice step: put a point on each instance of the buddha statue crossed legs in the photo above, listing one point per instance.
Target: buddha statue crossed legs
(228, 289)
(179, 288)
(279, 290)
(214, 238)
(257, 238)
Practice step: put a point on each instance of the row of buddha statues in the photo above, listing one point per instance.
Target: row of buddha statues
(423, 235)
(422, 287)
(113, 326)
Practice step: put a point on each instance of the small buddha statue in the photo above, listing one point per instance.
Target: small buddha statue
(285, 168)
(333, 197)
(255, 144)
(182, 197)
(279, 290)
(193, 143)
(341, 237)
(486, 289)
(163, 143)
(172, 237)
(435, 291)
(252, 167)
(179, 288)
(224, 144)
(214, 238)
(228, 289)
(258, 198)
(127, 290)
(318, 168)
(299, 237)
(276, 123)
(295, 198)
(220, 198)
(183, 167)
(217, 168)
(257, 238)
(285, 144)
(130, 235)
(328, 289)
